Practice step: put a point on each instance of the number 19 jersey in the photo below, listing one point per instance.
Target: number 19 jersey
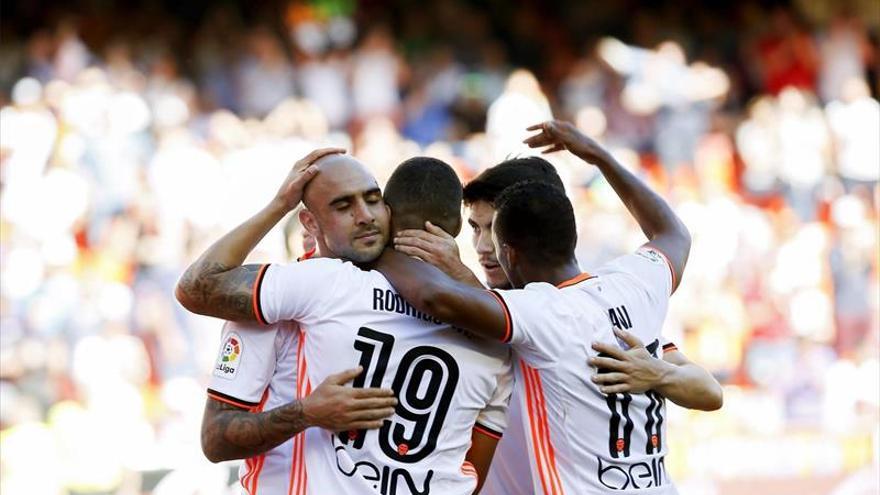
(447, 382)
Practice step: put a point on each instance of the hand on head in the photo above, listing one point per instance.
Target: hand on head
(291, 191)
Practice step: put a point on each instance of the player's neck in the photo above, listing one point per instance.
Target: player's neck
(551, 274)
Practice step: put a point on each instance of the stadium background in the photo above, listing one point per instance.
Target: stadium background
(133, 133)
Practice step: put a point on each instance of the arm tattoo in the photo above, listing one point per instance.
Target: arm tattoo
(218, 290)
(229, 432)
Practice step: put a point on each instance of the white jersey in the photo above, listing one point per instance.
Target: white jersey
(579, 440)
(256, 370)
(447, 382)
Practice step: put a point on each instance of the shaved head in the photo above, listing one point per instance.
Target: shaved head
(344, 210)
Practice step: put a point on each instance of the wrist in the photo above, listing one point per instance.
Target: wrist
(303, 409)
(666, 374)
(278, 208)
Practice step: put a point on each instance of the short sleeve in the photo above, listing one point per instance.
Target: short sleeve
(649, 266)
(667, 346)
(298, 290)
(492, 420)
(246, 362)
(537, 319)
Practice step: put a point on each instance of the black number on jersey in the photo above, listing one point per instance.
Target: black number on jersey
(424, 384)
(620, 425)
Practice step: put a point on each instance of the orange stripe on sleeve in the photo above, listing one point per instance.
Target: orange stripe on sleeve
(508, 323)
(487, 431)
(230, 400)
(258, 312)
(668, 264)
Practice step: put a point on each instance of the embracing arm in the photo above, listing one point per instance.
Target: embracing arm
(438, 248)
(636, 370)
(689, 385)
(231, 432)
(663, 228)
(432, 291)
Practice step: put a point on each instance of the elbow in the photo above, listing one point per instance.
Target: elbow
(181, 293)
(185, 292)
(717, 399)
(685, 235)
(212, 451)
(714, 399)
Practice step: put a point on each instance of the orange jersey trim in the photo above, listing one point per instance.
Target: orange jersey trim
(487, 431)
(574, 280)
(508, 323)
(232, 401)
(258, 312)
(668, 264)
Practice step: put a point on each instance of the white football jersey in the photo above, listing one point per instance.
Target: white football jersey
(447, 382)
(579, 440)
(257, 369)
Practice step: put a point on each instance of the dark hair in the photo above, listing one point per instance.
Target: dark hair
(537, 219)
(425, 189)
(489, 184)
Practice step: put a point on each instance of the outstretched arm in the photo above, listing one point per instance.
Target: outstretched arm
(432, 291)
(636, 370)
(230, 432)
(217, 284)
(664, 230)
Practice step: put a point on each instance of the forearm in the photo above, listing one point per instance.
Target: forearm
(232, 433)
(691, 387)
(433, 292)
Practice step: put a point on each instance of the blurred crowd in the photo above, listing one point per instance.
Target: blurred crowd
(130, 140)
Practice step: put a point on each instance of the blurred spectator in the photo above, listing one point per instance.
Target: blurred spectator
(265, 76)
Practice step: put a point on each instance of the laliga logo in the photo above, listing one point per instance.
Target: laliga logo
(231, 350)
(227, 361)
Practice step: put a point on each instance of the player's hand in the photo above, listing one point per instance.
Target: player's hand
(557, 135)
(336, 407)
(291, 190)
(433, 245)
(634, 370)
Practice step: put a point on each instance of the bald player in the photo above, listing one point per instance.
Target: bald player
(452, 389)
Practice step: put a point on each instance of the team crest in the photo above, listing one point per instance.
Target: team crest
(230, 355)
(651, 255)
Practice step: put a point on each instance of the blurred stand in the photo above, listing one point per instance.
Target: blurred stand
(125, 151)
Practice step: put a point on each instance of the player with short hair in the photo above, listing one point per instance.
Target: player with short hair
(535, 234)
(452, 389)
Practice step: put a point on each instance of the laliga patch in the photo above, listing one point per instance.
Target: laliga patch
(229, 358)
(651, 255)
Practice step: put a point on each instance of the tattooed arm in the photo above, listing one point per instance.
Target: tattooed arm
(230, 432)
(217, 284)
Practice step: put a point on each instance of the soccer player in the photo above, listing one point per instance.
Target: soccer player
(255, 409)
(549, 327)
(452, 388)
